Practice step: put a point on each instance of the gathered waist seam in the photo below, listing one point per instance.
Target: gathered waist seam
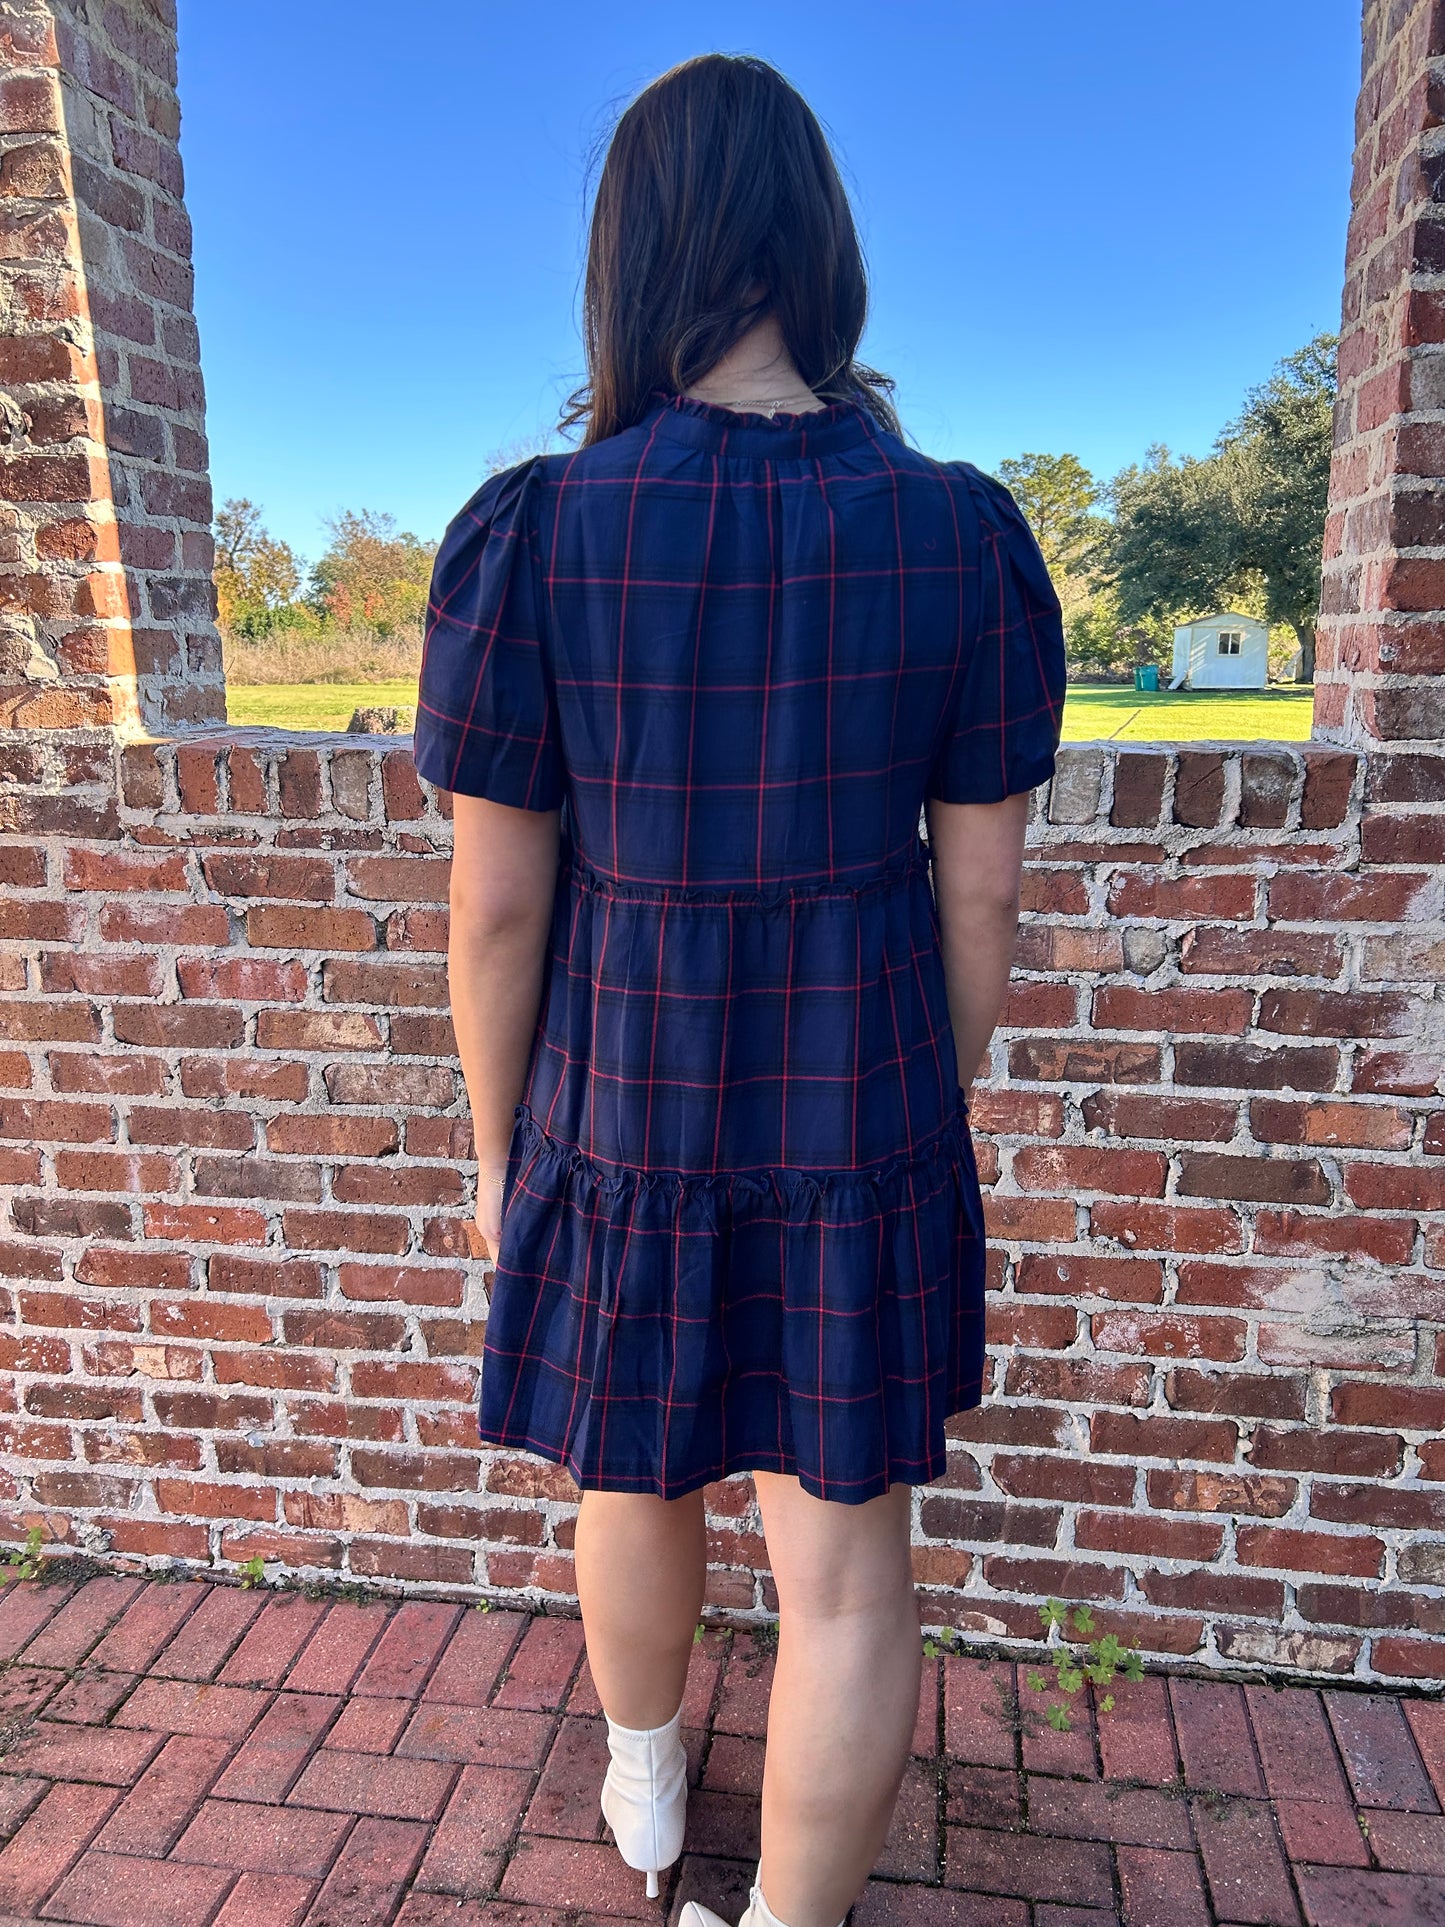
(913, 862)
(950, 1138)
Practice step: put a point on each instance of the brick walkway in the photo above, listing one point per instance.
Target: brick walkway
(175, 1755)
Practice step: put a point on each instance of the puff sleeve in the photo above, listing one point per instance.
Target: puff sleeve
(1004, 729)
(486, 718)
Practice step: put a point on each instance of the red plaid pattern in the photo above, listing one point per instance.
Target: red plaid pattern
(742, 1225)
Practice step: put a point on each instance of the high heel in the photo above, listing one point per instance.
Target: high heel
(644, 1794)
(757, 1913)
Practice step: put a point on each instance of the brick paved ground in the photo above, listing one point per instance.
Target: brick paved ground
(175, 1755)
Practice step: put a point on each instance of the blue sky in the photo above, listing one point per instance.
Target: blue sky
(1087, 228)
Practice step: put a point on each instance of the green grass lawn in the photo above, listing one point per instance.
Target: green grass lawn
(1090, 715)
(312, 705)
(1225, 716)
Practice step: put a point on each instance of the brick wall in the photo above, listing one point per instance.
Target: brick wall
(236, 1292)
(105, 503)
(238, 1318)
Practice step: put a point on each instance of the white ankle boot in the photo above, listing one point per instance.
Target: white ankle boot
(756, 1914)
(644, 1794)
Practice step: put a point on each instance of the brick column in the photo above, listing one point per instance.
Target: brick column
(1382, 636)
(106, 609)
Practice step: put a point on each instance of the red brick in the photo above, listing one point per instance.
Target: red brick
(1203, 1591)
(1083, 1167)
(1082, 1061)
(1337, 1013)
(332, 1136)
(196, 923)
(1169, 1335)
(1231, 1492)
(1077, 1380)
(1426, 1720)
(249, 979)
(213, 1629)
(127, 1891)
(548, 1874)
(352, 1231)
(239, 1836)
(146, 1627)
(1142, 1537)
(1083, 1579)
(1290, 1550)
(1243, 1860)
(543, 1664)
(1212, 1722)
(1379, 1752)
(1159, 1436)
(1030, 1867)
(1297, 1449)
(408, 1650)
(471, 1837)
(153, 1814)
(1136, 1280)
(1389, 1241)
(1247, 1067)
(293, 927)
(1167, 1228)
(1051, 890)
(366, 1783)
(1395, 1187)
(1344, 1897)
(1383, 1127)
(404, 879)
(1409, 1407)
(1224, 1013)
(372, 1869)
(204, 1224)
(112, 870)
(103, 1755)
(1412, 1659)
(307, 879)
(1195, 898)
(266, 1900)
(1253, 1179)
(1131, 1114)
(273, 1753)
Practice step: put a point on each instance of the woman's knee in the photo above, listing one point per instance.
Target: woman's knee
(830, 1559)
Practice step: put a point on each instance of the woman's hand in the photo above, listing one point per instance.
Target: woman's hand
(489, 1209)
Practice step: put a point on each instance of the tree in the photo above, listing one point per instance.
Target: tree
(1057, 494)
(256, 577)
(1245, 525)
(1174, 547)
(371, 576)
(1278, 457)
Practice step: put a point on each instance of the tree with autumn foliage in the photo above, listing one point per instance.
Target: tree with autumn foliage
(372, 576)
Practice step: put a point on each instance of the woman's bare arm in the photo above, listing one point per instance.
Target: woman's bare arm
(504, 880)
(977, 855)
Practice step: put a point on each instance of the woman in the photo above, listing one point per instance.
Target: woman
(691, 685)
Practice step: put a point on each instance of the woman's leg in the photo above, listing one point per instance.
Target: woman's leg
(845, 1693)
(641, 1567)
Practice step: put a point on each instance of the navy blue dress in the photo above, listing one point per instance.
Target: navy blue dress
(741, 1223)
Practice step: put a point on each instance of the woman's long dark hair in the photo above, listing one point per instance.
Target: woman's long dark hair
(718, 177)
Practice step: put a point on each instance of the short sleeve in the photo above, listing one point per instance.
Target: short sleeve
(1004, 730)
(486, 717)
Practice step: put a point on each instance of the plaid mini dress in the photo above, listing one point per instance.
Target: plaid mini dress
(742, 1227)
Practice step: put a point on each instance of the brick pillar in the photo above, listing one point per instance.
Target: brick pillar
(106, 607)
(1381, 670)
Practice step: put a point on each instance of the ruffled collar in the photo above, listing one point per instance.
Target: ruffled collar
(733, 431)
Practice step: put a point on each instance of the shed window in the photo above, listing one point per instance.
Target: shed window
(1231, 641)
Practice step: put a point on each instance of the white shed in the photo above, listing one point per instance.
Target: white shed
(1226, 651)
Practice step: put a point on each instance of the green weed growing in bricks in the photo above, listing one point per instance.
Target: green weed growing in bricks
(253, 1572)
(1099, 1660)
(24, 1561)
